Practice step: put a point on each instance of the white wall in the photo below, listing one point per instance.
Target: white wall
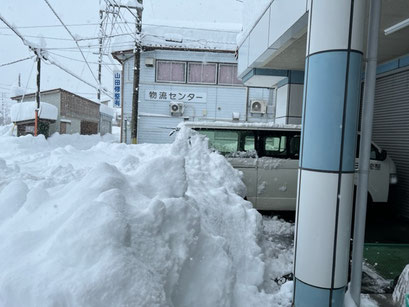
(155, 119)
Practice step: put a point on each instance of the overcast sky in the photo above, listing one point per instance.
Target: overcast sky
(34, 19)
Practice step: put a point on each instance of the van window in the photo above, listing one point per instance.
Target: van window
(295, 146)
(275, 146)
(249, 143)
(224, 141)
(375, 154)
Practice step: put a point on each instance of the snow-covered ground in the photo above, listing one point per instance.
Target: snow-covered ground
(401, 292)
(85, 221)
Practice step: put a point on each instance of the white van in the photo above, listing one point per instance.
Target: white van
(267, 155)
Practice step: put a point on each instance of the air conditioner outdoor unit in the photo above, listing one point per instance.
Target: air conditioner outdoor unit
(258, 106)
(176, 108)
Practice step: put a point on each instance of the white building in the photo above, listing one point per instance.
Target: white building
(327, 40)
(188, 75)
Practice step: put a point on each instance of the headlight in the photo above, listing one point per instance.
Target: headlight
(393, 179)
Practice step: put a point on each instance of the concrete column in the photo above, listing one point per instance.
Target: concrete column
(326, 174)
(289, 99)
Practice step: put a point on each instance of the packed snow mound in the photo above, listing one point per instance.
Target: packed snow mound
(7, 130)
(26, 111)
(402, 288)
(91, 223)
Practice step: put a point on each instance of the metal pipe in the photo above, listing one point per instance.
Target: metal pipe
(247, 103)
(365, 150)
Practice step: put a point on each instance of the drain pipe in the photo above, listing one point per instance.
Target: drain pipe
(365, 150)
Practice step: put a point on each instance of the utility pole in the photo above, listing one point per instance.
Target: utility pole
(19, 80)
(3, 110)
(101, 12)
(37, 52)
(137, 66)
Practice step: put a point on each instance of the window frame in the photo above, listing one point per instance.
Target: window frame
(216, 75)
(170, 61)
(227, 84)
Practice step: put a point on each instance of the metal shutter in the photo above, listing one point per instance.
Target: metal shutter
(391, 130)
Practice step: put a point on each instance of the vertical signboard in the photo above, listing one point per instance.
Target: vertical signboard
(117, 88)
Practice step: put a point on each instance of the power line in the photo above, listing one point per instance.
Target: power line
(25, 42)
(50, 61)
(77, 60)
(17, 61)
(73, 37)
(96, 24)
(108, 93)
(66, 39)
(53, 26)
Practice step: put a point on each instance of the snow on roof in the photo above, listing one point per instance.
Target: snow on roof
(240, 125)
(106, 110)
(182, 37)
(26, 111)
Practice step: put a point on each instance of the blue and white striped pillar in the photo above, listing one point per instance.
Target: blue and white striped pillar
(326, 174)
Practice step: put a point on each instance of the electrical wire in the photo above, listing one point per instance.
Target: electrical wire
(108, 93)
(75, 40)
(66, 39)
(96, 24)
(48, 59)
(17, 61)
(76, 60)
(28, 80)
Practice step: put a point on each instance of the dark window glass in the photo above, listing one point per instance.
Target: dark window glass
(375, 154)
(295, 146)
(275, 146)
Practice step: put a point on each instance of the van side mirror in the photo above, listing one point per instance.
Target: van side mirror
(382, 155)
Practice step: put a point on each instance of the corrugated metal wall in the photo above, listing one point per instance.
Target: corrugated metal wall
(155, 120)
(391, 129)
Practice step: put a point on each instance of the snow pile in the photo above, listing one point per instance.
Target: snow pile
(278, 246)
(26, 111)
(90, 223)
(401, 292)
(16, 90)
(7, 129)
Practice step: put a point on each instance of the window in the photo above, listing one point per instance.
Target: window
(202, 73)
(374, 155)
(169, 71)
(196, 73)
(249, 143)
(295, 146)
(275, 146)
(228, 74)
(224, 141)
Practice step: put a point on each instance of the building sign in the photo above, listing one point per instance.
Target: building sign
(117, 88)
(159, 95)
